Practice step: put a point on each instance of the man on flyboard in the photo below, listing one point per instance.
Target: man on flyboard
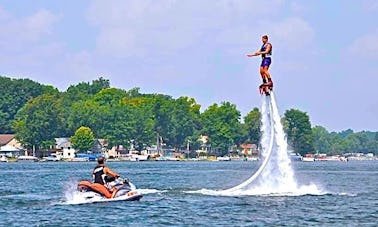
(266, 53)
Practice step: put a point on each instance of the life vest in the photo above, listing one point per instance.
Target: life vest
(99, 174)
(263, 48)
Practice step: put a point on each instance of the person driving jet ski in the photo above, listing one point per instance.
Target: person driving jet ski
(103, 174)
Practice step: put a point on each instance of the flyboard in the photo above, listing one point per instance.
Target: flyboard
(268, 92)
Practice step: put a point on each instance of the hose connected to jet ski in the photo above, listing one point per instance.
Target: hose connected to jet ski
(270, 149)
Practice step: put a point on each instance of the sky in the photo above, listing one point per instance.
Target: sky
(325, 53)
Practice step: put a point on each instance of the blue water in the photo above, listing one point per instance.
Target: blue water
(35, 194)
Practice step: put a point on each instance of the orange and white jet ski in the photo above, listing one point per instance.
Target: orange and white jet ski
(118, 189)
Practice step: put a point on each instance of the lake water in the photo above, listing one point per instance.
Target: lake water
(39, 194)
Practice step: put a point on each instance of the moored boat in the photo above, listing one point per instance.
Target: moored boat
(225, 158)
(308, 158)
(24, 158)
(3, 158)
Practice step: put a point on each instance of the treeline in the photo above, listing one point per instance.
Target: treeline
(37, 114)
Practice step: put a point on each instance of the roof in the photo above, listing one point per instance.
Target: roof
(5, 138)
(249, 146)
(62, 142)
(103, 142)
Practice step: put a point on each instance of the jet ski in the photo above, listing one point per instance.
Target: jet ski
(115, 189)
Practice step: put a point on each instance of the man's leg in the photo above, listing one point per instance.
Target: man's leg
(115, 190)
(263, 75)
(101, 189)
(269, 82)
(264, 80)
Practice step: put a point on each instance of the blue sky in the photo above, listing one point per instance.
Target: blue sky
(324, 61)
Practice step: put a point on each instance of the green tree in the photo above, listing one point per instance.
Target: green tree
(298, 130)
(109, 96)
(338, 144)
(184, 119)
(161, 111)
(252, 127)
(222, 125)
(321, 139)
(79, 93)
(4, 123)
(346, 133)
(116, 116)
(359, 142)
(143, 133)
(38, 122)
(83, 139)
(83, 90)
(103, 114)
(15, 93)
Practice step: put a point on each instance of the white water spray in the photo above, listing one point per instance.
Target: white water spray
(267, 146)
(275, 176)
(278, 175)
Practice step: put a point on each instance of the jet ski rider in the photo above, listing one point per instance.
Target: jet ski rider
(103, 174)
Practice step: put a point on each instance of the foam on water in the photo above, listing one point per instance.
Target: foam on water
(146, 191)
(300, 191)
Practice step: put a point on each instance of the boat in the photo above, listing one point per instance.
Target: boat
(139, 157)
(296, 157)
(251, 158)
(51, 158)
(225, 158)
(308, 158)
(121, 189)
(79, 159)
(338, 158)
(89, 156)
(25, 158)
(172, 159)
(3, 158)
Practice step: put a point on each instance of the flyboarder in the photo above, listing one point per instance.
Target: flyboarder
(266, 53)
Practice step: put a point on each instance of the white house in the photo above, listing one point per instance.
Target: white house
(64, 145)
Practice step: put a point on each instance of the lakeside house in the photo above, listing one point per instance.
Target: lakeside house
(115, 152)
(250, 150)
(10, 147)
(64, 149)
(99, 146)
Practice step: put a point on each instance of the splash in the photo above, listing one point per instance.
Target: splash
(267, 146)
(275, 176)
(278, 175)
(72, 196)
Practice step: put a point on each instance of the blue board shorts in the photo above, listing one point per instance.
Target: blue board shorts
(266, 62)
